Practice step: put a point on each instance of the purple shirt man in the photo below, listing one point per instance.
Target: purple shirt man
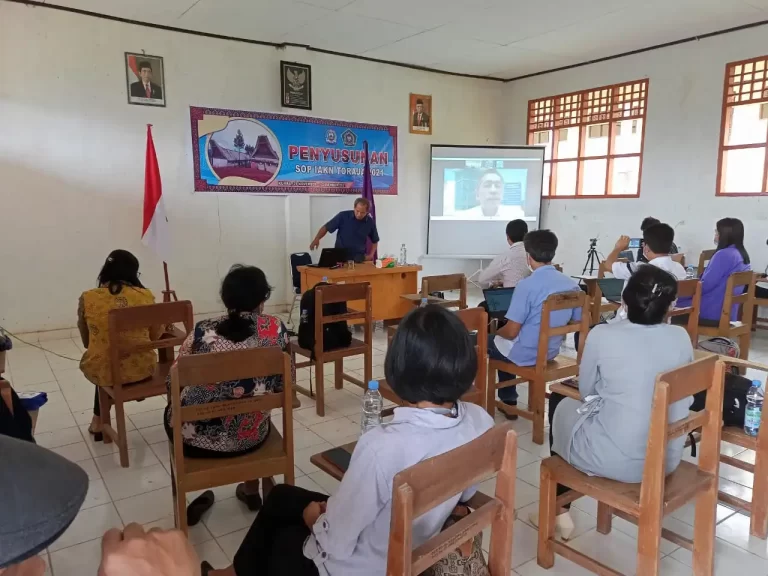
(713, 282)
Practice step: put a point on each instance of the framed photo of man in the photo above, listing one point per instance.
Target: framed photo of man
(145, 79)
(420, 113)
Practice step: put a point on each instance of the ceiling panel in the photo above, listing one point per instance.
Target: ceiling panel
(329, 4)
(349, 33)
(155, 11)
(265, 20)
(500, 59)
(425, 14)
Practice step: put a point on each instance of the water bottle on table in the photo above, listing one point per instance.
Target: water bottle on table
(690, 272)
(754, 409)
(423, 303)
(372, 405)
(403, 255)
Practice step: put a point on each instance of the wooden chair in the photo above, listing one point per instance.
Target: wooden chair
(742, 330)
(544, 371)
(757, 320)
(704, 258)
(758, 507)
(679, 258)
(446, 283)
(658, 495)
(332, 294)
(274, 456)
(418, 489)
(158, 319)
(689, 289)
(475, 320)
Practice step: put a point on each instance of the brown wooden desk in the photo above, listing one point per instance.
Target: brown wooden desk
(321, 461)
(387, 285)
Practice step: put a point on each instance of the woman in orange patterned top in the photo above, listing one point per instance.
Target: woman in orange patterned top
(119, 287)
(244, 291)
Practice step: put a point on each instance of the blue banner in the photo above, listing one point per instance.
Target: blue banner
(238, 151)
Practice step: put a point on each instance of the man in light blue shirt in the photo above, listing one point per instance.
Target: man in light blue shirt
(518, 340)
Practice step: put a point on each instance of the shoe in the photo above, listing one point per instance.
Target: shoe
(205, 568)
(253, 501)
(509, 416)
(97, 436)
(199, 506)
(564, 526)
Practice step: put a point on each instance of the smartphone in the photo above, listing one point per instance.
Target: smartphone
(339, 457)
(635, 243)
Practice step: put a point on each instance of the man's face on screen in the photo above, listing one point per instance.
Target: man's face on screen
(489, 191)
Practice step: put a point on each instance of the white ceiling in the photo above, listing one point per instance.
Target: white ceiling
(500, 38)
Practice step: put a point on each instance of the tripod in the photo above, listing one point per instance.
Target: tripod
(593, 259)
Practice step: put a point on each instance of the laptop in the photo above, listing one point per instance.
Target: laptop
(628, 255)
(497, 300)
(611, 289)
(331, 257)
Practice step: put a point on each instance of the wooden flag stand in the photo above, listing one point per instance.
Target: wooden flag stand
(168, 294)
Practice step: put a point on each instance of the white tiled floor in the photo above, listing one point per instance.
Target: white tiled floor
(142, 493)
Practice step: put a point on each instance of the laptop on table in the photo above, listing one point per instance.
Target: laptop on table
(331, 257)
(611, 288)
(497, 300)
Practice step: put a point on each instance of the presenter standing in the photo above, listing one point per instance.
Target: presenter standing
(354, 228)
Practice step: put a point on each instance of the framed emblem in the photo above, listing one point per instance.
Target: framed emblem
(295, 85)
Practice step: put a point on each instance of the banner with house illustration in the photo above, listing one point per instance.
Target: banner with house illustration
(266, 153)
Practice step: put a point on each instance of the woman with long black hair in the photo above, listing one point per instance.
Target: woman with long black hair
(119, 287)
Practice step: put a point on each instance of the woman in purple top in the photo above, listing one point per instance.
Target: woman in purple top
(731, 257)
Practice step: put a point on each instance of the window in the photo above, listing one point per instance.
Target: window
(743, 161)
(593, 140)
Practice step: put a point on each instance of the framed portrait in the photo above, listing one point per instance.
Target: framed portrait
(145, 79)
(420, 114)
(296, 85)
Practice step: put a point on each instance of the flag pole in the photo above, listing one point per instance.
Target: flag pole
(168, 293)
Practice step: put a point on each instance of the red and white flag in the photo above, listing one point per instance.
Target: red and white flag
(155, 233)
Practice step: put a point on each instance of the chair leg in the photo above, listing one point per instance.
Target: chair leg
(704, 525)
(604, 518)
(537, 397)
(122, 438)
(758, 523)
(490, 392)
(180, 510)
(649, 541)
(338, 371)
(367, 367)
(545, 554)
(105, 408)
(320, 389)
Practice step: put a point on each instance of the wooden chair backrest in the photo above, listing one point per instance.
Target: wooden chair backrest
(446, 283)
(707, 373)
(745, 300)
(208, 369)
(153, 317)
(679, 258)
(562, 301)
(334, 293)
(418, 489)
(689, 289)
(704, 258)
(476, 320)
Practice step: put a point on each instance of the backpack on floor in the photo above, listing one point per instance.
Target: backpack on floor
(335, 334)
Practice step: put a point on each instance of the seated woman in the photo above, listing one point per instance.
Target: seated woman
(731, 257)
(119, 287)
(244, 291)
(430, 364)
(606, 435)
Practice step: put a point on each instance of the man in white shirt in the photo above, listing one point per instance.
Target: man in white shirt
(657, 244)
(489, 193)
(510, 266)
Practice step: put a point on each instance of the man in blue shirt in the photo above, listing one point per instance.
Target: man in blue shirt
(355, 228)
(518, 340)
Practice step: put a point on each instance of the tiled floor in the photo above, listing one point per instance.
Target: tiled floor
(142, 492)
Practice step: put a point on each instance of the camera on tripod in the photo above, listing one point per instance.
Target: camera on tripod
(593, 242)
(593, 259)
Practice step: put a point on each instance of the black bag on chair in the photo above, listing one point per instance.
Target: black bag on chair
(734, 399)
(335, 334)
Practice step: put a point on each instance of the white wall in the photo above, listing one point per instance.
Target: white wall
(681, 146)
(72, 157)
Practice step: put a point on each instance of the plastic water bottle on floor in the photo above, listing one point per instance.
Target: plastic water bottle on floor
(423, 303)
(372, 405)
(754, 409)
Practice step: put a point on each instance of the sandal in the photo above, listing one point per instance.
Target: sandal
(97, 436)
(253, 501)
(199, 506)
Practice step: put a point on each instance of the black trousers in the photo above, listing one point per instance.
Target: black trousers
(554, 400)
(274, 544)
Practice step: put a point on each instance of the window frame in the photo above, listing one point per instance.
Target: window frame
(564, 115)
(725, 119)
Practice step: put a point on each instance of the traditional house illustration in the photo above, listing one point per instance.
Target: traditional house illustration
(264, 156)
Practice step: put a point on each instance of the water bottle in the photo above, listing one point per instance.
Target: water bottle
(325, 279)
(423, 303)
(403, 255)
(372, 405)
(754, 409)
(690, 272)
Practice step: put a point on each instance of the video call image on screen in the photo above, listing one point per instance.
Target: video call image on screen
(483, 189)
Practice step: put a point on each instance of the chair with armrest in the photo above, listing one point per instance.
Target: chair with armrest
(158, 319)
(273, 457)
(446, 283)
(659, 494)
(545, 370)
(331, 294)
(418, 489)
(741, 330)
